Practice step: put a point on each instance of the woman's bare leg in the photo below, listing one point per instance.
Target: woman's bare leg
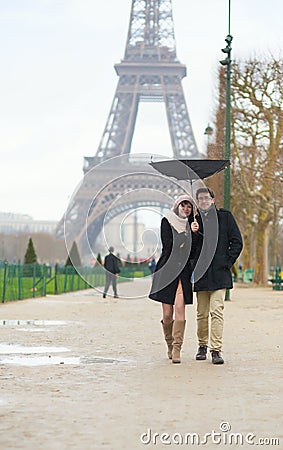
(167, 311)
(180, 313)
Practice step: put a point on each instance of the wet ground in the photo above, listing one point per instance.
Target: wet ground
(81, 372)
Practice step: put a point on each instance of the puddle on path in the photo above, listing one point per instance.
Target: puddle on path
(33, 356)
(36, 322)
(101, 360)
(32, 361)
(11, 349)
(36, 330)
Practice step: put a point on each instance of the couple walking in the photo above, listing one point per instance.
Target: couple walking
(204, 249)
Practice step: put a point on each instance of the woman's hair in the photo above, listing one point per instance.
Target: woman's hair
(179, 200)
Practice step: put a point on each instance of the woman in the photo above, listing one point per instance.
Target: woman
(171, 283)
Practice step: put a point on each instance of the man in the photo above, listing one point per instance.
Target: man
(218, 245)
(152, 265)
(112, 269)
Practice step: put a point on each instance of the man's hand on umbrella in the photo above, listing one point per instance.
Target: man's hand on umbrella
(194, 226)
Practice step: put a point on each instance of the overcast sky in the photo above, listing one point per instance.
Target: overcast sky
(57, 83)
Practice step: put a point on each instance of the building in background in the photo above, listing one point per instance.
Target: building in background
(15, 231)
(11, 223)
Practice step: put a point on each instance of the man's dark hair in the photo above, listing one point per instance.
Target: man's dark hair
(204, 189)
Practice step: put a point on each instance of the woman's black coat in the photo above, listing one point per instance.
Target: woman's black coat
(228, 248)
(173, 265)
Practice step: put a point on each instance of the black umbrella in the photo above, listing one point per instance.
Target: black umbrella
(190, 169)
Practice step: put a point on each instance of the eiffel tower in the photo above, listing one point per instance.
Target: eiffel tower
(149, 71)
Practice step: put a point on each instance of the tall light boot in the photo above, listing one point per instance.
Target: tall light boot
(178, 337)
(167, 330)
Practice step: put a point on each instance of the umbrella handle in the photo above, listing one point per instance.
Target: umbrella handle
(192, 194)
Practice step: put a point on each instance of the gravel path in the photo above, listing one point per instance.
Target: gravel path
(81, 372)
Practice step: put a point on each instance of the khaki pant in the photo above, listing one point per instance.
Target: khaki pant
(210, 303)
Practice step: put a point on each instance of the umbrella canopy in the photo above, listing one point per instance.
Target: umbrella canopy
(190, 169)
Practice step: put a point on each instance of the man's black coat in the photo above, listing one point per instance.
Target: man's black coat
(218, 245)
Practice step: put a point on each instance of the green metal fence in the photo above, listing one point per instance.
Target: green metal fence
(20, 281)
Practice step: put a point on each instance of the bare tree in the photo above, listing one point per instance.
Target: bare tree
(256, 156)
(257, 137)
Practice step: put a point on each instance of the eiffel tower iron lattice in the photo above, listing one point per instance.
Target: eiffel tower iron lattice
(149, 71)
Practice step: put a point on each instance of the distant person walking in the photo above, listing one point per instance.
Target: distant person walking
(152, 265)
(112, 269)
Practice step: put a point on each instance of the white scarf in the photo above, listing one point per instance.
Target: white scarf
(178, 223)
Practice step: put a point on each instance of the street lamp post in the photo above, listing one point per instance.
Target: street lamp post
(227, 62)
